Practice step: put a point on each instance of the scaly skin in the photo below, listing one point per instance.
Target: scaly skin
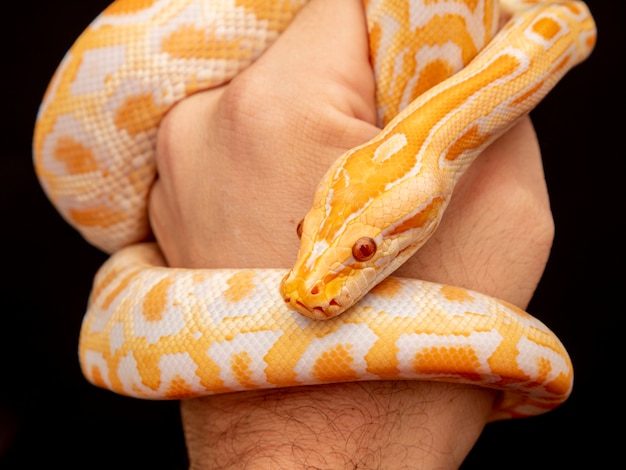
(395, 188)
(161, 333)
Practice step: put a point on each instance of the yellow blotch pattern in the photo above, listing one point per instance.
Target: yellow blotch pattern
(463, 360)
(155, 301)
(470, 140)
(178, 389)
(96, 377)
(189, 42)
(240, 366)
(75, 156)
(432, 74)
(139, 114)
(387, 288)
(239, 286)
(121, 287)
(419, 220)
(456, 31)
(546, 27)
(529, 94)
(148, 357)
(96, 216)
(440, 30)
(277, 13)
(560, 384)
(503, 360)
(456, 294)
(335, 363)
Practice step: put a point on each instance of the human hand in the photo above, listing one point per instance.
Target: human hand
(238, 166)
(237, 170)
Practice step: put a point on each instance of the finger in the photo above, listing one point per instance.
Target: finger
(325, 51)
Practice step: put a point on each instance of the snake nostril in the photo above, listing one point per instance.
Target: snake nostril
(315, 289)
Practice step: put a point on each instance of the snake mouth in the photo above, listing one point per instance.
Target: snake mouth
(298, 307)
(311, 299)
(317, 312)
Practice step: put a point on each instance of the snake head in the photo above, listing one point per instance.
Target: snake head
(328, 278)
(364, 224)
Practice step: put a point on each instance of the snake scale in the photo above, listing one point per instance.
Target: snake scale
(451, 75)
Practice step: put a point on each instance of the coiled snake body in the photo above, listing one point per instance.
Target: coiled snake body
(452, 75)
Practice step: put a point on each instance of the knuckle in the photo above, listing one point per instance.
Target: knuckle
(243, 107)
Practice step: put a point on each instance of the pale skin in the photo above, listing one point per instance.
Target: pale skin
(237, 169)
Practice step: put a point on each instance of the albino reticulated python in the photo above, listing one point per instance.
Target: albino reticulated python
(157, 332)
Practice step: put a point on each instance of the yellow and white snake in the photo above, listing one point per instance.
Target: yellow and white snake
(452, 76)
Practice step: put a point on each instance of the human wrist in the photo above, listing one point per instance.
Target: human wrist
(383, 423)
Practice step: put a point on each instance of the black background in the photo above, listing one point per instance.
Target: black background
(50, 414)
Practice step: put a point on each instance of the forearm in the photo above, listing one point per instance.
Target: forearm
(382, 424)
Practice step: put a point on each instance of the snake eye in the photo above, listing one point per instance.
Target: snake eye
(299, 229)
(364, 249)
